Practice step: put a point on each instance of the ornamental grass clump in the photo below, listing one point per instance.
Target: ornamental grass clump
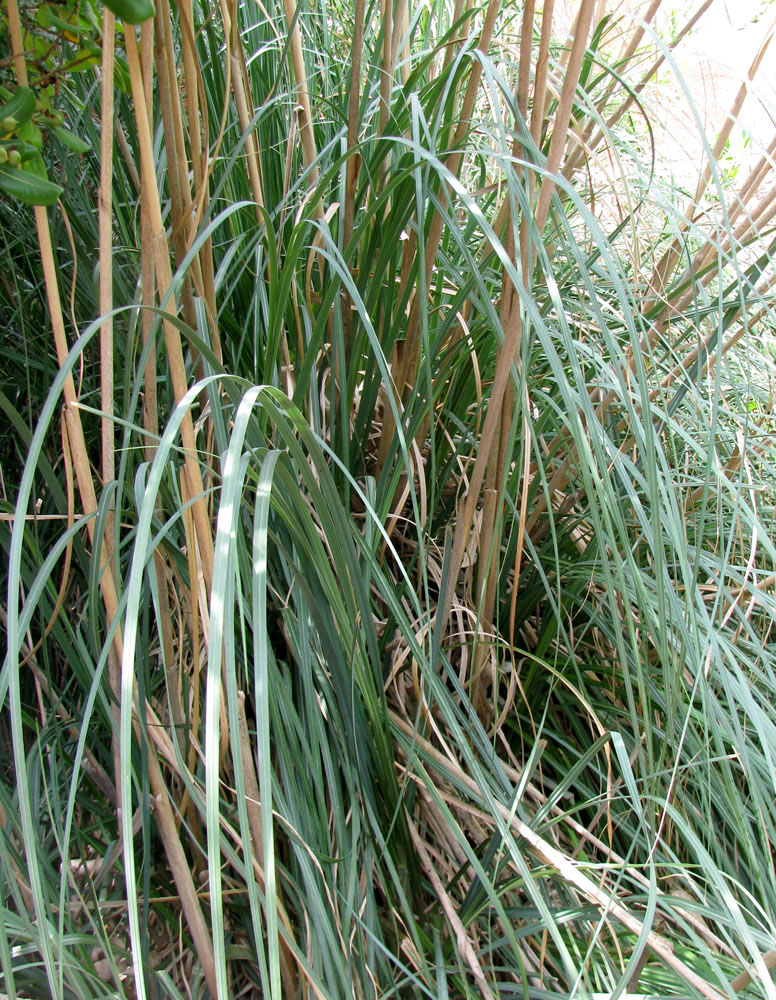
(388, 491)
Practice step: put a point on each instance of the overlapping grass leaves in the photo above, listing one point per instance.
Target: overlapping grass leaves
(374, 794)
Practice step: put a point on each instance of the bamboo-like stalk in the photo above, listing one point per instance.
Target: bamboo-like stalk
(668, 263)
(386, 75)
(171, 332)
(105, 215)
(237, 75)
(458, 10)
(150, 414)
(244, 105)
(563, 114)
(538, 110)
(197, 117)
(492, 500)
(89, 502)
(191, 600)
(78, 450)
(195, 103)
(303, 113)
(354, 161)
(750, 975)
(306, 135)
(493, 494)
(401, 48)
(509, 304)
(160, 267)
(105, 222)
(142, 92)
(665, 269)
(200, 275)
(168, 96)
(148, 280)
(577, 157)
(511, 321)
(126, 155)
(405, 360)
(541, 93)
(524, 63)
(586, 141)
(670, 260)
(83, 471)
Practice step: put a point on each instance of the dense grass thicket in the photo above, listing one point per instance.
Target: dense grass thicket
(388, 496)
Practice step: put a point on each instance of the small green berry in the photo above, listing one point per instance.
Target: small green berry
(14, 158)
(3, 155)
(8, 124)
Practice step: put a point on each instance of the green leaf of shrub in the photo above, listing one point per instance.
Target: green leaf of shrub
(33, 163)
(71, 141)
(28, 187)
(84, 59)
(21, 106)
(49, 18)
(131, 11)
(31, 134)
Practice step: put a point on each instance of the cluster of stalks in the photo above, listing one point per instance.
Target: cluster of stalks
(515, 485)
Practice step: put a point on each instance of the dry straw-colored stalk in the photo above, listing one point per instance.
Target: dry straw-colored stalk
(178, 863)
(163, 275)
(306, 134)
(510, 313)
(406, 357)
